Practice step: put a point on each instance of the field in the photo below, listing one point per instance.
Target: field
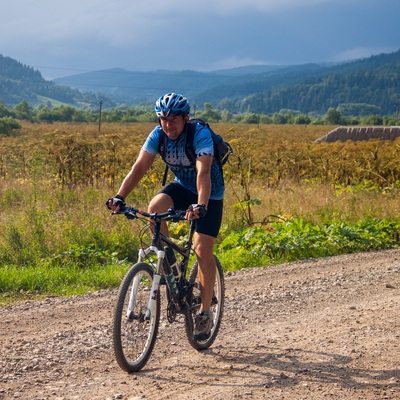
(287, 198)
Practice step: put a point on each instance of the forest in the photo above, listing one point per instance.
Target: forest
(359, 88)
(10, 118)
(19, 82)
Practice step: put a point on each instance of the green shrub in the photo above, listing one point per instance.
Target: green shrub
(8, 126)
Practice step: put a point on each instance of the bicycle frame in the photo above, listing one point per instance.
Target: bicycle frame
(157, 238)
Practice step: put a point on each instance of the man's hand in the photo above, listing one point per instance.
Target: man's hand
(116, 203)
(196, 211)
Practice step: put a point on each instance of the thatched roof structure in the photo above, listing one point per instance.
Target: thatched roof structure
(343, 133)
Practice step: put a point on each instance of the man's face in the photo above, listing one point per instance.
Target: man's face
(173, 126)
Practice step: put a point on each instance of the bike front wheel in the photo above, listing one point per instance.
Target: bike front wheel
(217, 306)
(135, 326)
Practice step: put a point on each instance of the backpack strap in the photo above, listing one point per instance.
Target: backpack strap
(189, 141)
(165, 175)
(162, 150)
(162, 144)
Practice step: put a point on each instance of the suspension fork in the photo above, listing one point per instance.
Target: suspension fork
(155, 248)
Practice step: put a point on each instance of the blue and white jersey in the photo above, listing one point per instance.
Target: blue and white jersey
(179, 163)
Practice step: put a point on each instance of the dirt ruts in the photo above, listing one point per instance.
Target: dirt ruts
(315, 329)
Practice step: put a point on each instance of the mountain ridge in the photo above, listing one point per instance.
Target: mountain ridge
(371, 84)
(20, 82)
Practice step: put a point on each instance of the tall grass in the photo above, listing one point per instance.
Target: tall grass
(58, 237)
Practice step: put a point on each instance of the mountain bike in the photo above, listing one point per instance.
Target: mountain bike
(138, 305)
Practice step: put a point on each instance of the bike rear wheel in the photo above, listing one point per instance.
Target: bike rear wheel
(135, 327)
(217, 306)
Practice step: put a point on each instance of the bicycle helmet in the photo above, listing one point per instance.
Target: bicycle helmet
(172, 104)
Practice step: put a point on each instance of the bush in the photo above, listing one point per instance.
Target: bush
(8, 126)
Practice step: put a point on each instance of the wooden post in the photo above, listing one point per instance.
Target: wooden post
(101, 104)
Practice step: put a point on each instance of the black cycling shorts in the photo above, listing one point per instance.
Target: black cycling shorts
(183, 198)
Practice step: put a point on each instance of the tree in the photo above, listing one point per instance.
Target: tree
(302, 119)
(8, 125)
(333, 117)
(278, 118)
(225, 116)
(209, 114)
(23, 111)
(251, 118)
(4, 111)
(373, 120)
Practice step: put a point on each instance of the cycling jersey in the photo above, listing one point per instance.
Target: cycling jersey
(179, 163)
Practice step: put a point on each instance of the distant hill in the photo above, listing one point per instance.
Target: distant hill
(365, 86)
(362, 87)
(20, 82)
(132, 87)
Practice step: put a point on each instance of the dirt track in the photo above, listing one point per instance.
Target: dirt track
(323, 329)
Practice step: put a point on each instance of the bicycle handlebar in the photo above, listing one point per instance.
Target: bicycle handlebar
(170, 215)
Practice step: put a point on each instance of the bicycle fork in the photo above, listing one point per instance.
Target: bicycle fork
(151, 306)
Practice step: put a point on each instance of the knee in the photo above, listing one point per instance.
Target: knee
(160, 203)
(203, 249)
(198, 249)
(153, 205)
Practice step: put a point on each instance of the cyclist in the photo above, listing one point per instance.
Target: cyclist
(198, 188)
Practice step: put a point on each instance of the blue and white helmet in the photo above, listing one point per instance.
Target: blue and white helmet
(172, 104)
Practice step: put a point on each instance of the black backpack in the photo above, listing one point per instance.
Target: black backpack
(222, 149)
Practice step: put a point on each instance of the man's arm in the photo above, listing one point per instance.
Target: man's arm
(203, 167)
(139, 169)
(203, 182)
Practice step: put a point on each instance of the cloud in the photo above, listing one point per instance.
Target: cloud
(362, 52)
(235, 62)
(123, 23)
(264, 6)
(202, 35)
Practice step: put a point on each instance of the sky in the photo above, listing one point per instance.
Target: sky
(67, 37)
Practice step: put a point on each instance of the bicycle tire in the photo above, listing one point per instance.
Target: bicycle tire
(217, 307)
(134, 336)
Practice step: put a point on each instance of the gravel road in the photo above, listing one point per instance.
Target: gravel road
(315, 329)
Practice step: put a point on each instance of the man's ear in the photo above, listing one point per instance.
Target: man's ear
(186, 118)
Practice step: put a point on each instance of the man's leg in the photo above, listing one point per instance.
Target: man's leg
(204, 245)
(204, 248)
(159, 204)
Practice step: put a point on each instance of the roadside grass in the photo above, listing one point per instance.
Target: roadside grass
(66, 242)
(42, 280)
(297, 239)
